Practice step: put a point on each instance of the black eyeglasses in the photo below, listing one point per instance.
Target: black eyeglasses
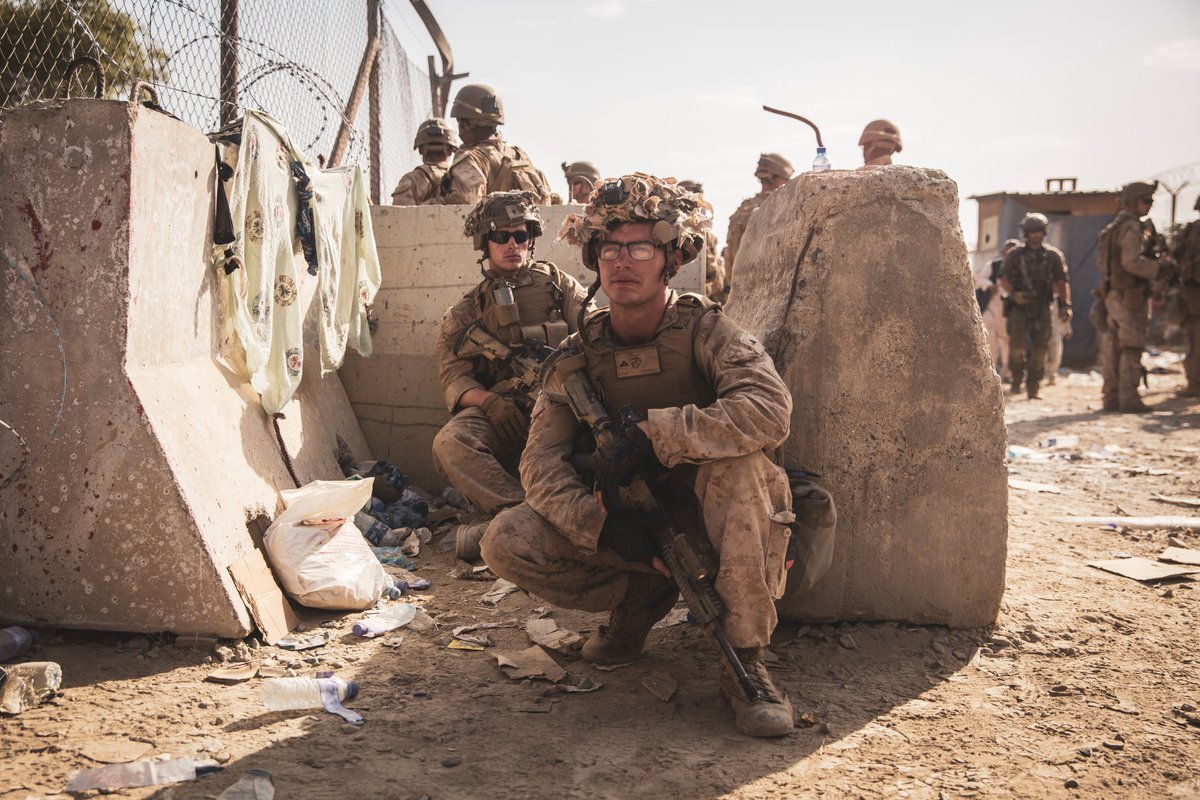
(502, 237)
(638, 251)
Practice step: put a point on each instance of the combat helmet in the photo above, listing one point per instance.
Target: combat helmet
(773, 165)
(881, 130)
(679, 216)
(436, 131)
(581, 169)
(1138, 189)
(1033, 221)
(478, 102)
(500, 209)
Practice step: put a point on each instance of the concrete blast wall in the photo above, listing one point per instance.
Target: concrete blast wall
(427, 266)
(858, 284)
(140, 500)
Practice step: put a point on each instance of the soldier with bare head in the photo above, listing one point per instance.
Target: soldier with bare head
(1131, 269)
(436, 143)
(521, 304)
(772, 172)
(486, 163)
(581, 177)
(711, 407)
(880, 140)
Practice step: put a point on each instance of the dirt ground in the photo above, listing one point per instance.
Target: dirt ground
(1088, 685)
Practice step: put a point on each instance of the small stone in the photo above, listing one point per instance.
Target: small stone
(847, 641)
(313, 660)
(1071, 783)
(451, 761)
(218, 720)
(335, 664)
(223, 654)
(253, 643)
(1115, 745)
(823, 728)
(527, 682)
(242, 653)
(202, 704)
(422, 694)
(349, 728)
(222, 757)
(1086, 752)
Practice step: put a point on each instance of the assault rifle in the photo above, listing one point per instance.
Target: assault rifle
(525, 361)
(687, 554)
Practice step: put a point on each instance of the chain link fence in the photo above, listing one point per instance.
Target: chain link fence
(208, 60)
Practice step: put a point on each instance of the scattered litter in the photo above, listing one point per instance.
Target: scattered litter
(27, 685)
(1017, 453)
(324, 691)
(661, 686)
(1143, 569)
(317, 639)
(585, 684)
(485, 626)
(547, 633)
(532, 662)
(398, 587)
(1148, 471)
(423, 622)
(15, 641)
(235, 673)
(1033, 486)
(389, 619)
(1136, 523)
(1060, 441)
(611, 667)
(141, 773)
(393, 556)
(500, 590)
(675, 616)
(393, 642)
(471, 643)
(471, 572)
(1190, 502)
(114, 751)
(1181, 555)
(254, 785)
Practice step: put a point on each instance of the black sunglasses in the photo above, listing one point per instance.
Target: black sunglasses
(502, 237)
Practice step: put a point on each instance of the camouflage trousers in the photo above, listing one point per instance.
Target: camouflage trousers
(469, 453)
(1191, 332)
(740, 500)
(1028, 339)
(1121, 351)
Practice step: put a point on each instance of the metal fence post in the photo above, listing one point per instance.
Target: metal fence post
(229, 61)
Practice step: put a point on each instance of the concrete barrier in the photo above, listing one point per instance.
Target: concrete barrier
(141, 498)
(858, 284)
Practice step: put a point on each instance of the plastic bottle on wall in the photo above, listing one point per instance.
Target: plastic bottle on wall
(821, 163)
(15, 641)
(286, 694)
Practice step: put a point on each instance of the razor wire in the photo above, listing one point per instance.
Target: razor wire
(296, 60)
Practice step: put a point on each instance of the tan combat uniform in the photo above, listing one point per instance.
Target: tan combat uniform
(467, 449)
(738, 222)
(879, 161)
(420, 187)
(1032, 274)
(1187, 258)
(492, 166)
(1126, 275)
(714, 270)
(714, 404)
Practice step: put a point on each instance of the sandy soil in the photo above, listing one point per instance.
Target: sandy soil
(1087, 686)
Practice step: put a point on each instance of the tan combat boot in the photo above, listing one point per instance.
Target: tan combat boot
(647, 600)
(769, 716)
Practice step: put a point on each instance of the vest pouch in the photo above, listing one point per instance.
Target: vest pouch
(810, 551)
(552, 332)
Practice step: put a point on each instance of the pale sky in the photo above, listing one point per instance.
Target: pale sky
(999, 95)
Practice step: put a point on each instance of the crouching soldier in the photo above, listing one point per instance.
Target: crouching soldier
(520, 308)
(711, 403)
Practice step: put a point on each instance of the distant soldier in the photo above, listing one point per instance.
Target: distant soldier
(1130, 268)
(581, 177)
(991, 306)
(486, 163)
(1186, 251)
(714, 268)
(436, 143)
(880, 140)
(1032, 275)
(773, 171)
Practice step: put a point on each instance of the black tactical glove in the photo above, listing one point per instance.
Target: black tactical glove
(626, 532)
(631, 454)
(508, 420)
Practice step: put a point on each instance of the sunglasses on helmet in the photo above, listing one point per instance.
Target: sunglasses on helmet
(502, 237)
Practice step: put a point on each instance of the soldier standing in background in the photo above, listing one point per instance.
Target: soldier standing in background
(773, 171)
(991, 306)
(1032, 275)
(1128, 272)
(880, 140)
(436, 143)
(714, 268)
(486, 163)
(581, 177)
(1186, 251)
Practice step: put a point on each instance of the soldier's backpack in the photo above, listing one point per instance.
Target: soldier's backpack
(516, 172)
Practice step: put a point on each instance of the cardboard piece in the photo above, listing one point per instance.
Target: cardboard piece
(676, 616)
(262, 595)
(533, 662)
(1190, 502)
(1143, 569)
(500, 590)
(234, 673)
(1181, 555)
(547, 633)
(661, 686)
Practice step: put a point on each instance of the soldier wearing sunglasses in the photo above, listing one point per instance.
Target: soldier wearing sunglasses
(518, 300)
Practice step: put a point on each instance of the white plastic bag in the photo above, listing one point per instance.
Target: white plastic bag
(318, 552)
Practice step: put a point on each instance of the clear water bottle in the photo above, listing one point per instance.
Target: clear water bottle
(821, 162)
(389, 619)
(15, 641)
(286, 694)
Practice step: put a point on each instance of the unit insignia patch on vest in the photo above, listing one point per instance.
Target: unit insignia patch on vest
(635, 361)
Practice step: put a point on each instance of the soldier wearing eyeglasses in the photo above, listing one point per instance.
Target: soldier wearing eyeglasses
(519, 300)
(713, 406)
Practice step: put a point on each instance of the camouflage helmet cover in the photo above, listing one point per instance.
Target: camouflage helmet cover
(501, 209)
(1034, 221)
(581, 169)
(881, 130)
(773, 165)
(1136, 190)
(435, 131)
(678, 216)
(479, 102)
